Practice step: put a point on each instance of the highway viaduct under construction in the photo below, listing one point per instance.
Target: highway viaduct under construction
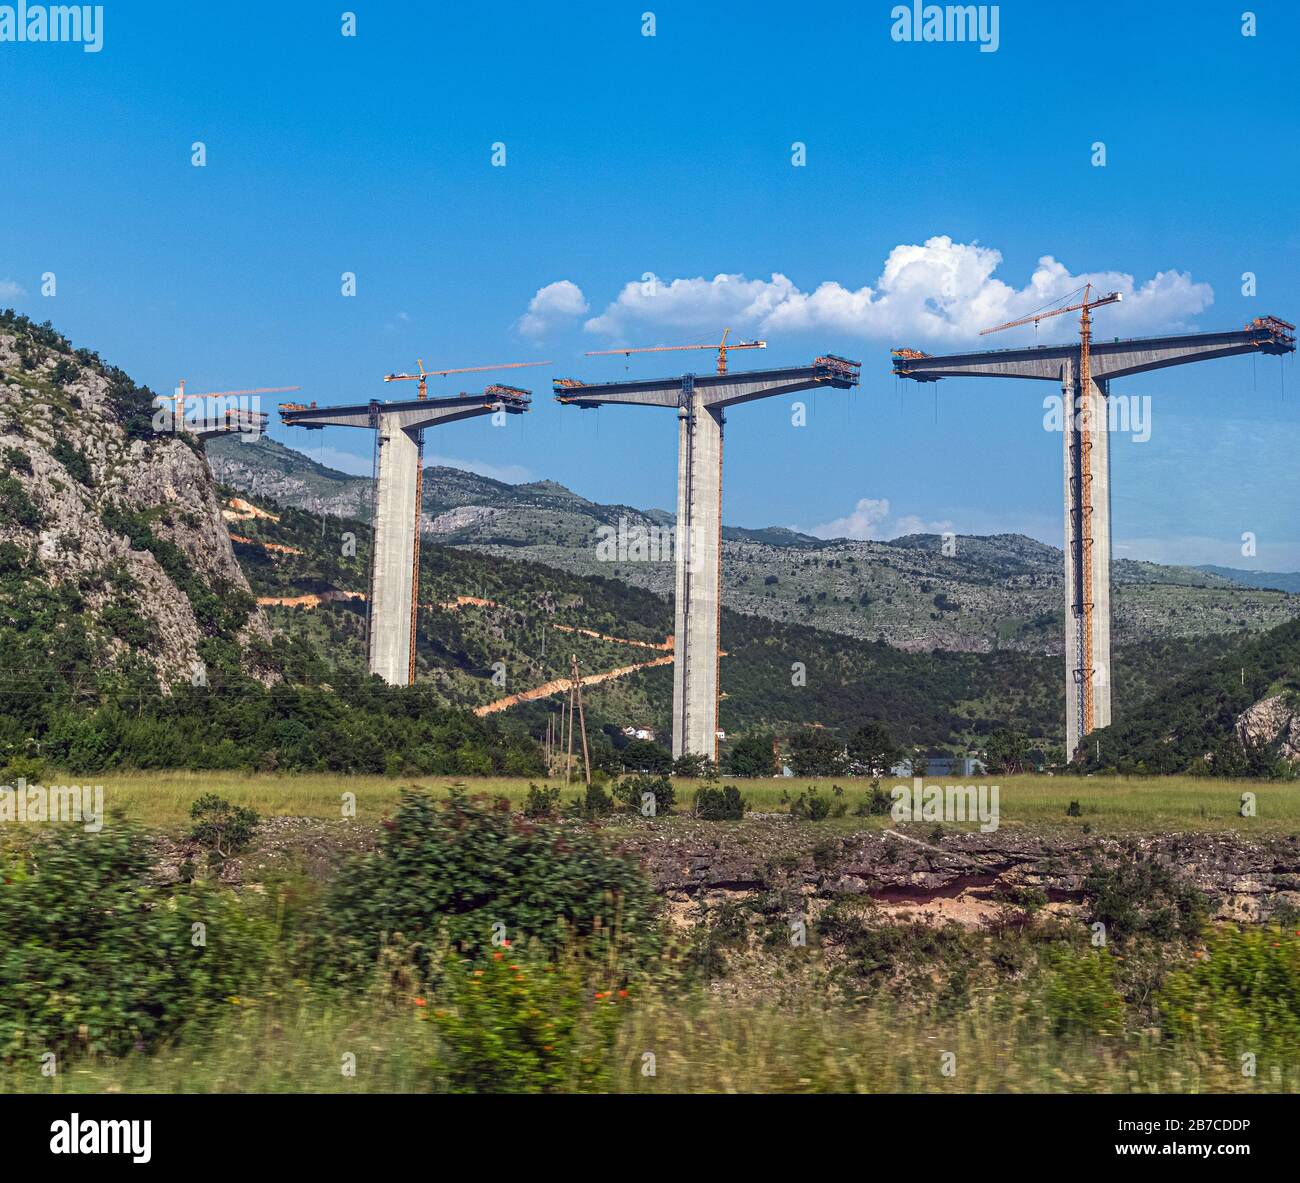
(1084, 372)
(700, 402)
(1087, 471)
(395, 572)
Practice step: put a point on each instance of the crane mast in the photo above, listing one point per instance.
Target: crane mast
(180, 396)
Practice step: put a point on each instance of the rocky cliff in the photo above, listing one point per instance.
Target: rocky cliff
(109, 514)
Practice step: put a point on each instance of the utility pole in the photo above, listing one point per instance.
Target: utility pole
(568, 763)
(582, 719)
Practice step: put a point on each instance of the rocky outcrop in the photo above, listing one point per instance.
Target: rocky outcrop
(1273, 723)
(92, 488)
(1243, 877)
(461, 518)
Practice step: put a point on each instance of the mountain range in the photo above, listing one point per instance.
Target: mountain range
(993, 593)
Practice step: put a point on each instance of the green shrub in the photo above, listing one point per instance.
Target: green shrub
(719, 804)
(221, 828)
(95, 958)
(16, 460)
(516, 1025)
(65, 370)
(1079, 994)
(632, 792)
(594, 803)
(811, 806)
(457, 868)
(876, 803)
(73, 460)
(541, 803)
(1138, 897)
(16, 506)
(29, 769)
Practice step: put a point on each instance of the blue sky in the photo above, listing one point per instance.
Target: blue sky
(937, 180)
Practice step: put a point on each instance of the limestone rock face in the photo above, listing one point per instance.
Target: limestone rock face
(460, 518)
(77, 440)
(1272, 721)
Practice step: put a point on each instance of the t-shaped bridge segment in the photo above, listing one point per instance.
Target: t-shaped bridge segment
(233, 422)
(1109, 360)
(394, 580)
(206, 425)
(699, 402)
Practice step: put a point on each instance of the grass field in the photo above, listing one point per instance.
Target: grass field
(700, 1045)
(1107, 804)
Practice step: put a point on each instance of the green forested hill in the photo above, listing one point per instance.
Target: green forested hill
(935, 699)
(1235, 714)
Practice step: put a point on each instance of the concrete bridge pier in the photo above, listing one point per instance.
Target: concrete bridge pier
(699, 576)
(1092, 664)
(396, 518)
(700, 401)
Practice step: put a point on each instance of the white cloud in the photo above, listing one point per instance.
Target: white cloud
(939, 291)
(552, 307)
(871, 519)
(703, 304)
(9, 290)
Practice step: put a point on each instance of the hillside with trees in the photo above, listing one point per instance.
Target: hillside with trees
(1236, 715)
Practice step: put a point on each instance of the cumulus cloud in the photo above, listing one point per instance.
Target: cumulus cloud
(871, 518)
(9, 290)
(554, 306)
(693, 303)
(940, 291)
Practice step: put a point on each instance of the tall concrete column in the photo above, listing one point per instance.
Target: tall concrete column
(1079, 525)
(395, 510)
(699, 400)
(699, 578)
(1070, 534)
